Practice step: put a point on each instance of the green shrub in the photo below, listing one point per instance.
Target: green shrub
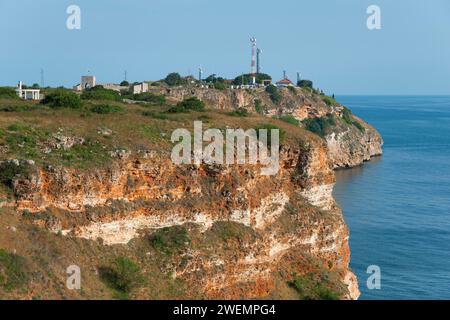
(329, 101)
(174, 79)
(61, 98)
(124, 84)
(292, 89)
(220, 86)
(314, 287)
(106, 108)
(151, 98)
(240, 112)
(8, 93)
(9, 170)
(100, 93)
(289, 119)
(320, 126)
(12, 273)
(259, 107)
(347, 116)
(170, 240)
(188, 105)
(305, 84)
(274, 94)
(16, 108)
(122, 275)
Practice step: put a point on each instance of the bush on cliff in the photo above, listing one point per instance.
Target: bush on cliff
(12, 274)
(239, 112)
(174, 79)
(170, 240)
(288, 118)
(320, 126)
(274, 94)
(314, 287)
(62, 98)
(123, 275)
(12, 169)
(348, 119)
(305, 84)
(259, 108)
(187, 105)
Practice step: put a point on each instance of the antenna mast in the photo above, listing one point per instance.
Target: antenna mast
(253, 72)
(42, 78)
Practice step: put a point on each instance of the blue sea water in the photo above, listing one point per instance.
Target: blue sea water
(397, 206)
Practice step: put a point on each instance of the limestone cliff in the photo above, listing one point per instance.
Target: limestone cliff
(256, 232)
(350, 142)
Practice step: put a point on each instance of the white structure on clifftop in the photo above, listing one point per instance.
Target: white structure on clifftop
(28, 94)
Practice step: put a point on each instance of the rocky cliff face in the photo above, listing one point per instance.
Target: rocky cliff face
(348, 145)
(220, 231)
(254, 233)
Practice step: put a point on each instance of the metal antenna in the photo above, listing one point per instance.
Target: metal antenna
(258, 60)
(42, 78)
(253, 72)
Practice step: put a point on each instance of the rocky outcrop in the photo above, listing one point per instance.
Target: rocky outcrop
(348, 145)
(288, 224)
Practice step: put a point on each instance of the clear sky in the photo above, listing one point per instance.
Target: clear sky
(326, 40)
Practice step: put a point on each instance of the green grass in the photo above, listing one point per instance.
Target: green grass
(123, 276)
(106, 108)
(83, 156)
(170, 240)
(8, 93)
(289, 119)
(314, 287)
(156, 115)
(12, 271)
(329, 101)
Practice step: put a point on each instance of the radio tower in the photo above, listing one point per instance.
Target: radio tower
(253, 42)
(42, 78)
(200, 73)
(258, 60)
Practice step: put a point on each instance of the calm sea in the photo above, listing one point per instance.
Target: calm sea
(398, 206)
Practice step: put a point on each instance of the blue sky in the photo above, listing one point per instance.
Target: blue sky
(326, 40)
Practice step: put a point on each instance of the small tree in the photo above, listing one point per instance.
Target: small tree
(174, 79)
(124, 84)
(305, 84)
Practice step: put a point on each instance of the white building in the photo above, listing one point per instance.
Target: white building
(28, 94)
(139, 88)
